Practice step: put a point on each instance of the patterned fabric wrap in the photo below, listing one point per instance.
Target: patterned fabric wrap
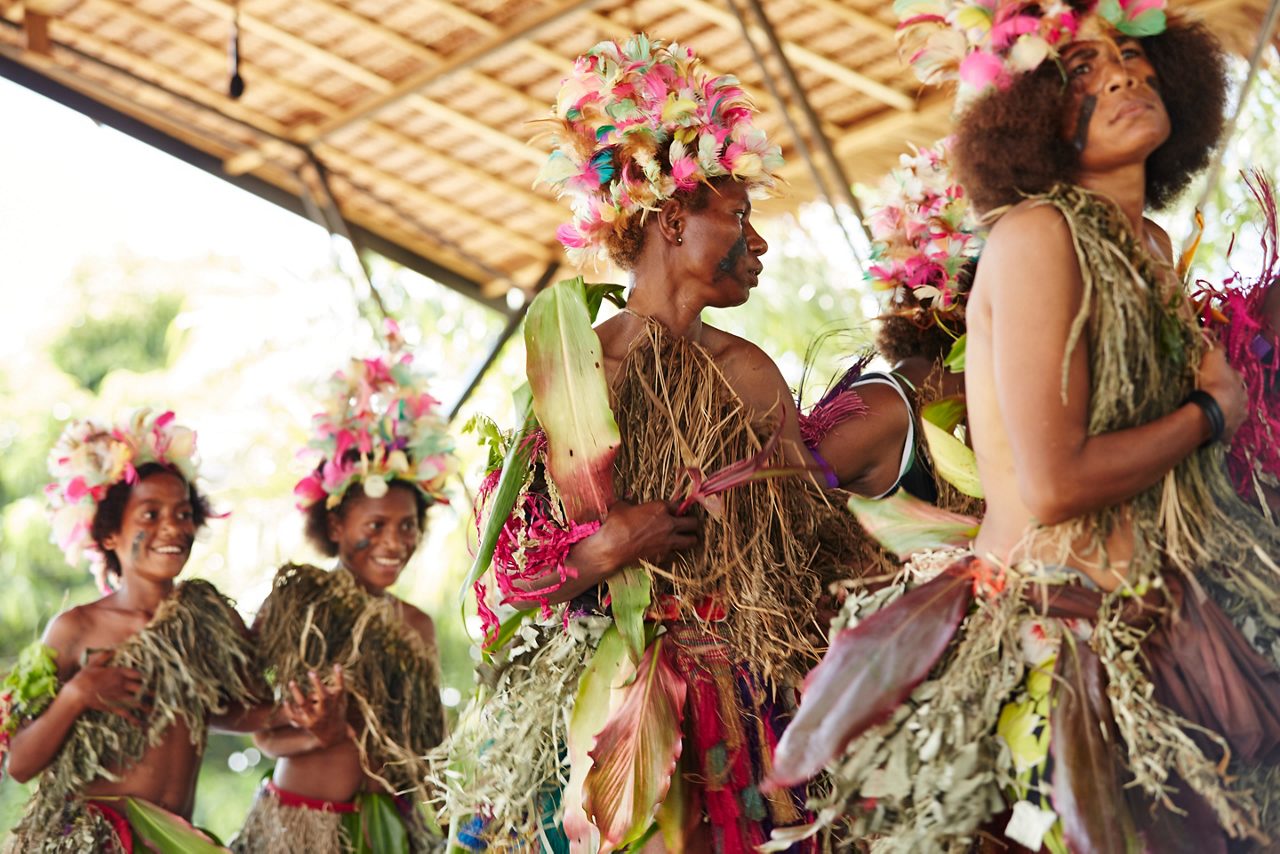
(732, 725)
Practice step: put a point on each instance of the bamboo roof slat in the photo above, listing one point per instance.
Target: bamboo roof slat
(424, 113)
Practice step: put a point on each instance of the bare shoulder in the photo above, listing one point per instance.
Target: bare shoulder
(1029, 223)
(749, 369)
(1032, 243)
(69, 633)
(420, 621)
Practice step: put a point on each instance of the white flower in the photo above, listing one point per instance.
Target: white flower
(1029, 824)
(374, 487)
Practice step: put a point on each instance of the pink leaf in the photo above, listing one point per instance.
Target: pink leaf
(636, 752)
(869, 670)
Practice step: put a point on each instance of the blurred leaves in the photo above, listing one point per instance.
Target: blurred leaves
(135, 339)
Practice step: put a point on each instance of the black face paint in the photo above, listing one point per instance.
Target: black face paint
(1087, 106)
(136, 548)
(361, 545)
(1153, 83)
(733, 256)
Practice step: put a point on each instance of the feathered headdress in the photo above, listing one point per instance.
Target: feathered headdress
(90, 458)
(381, 425)
(634, 123)
(985, 43)
(923, 231)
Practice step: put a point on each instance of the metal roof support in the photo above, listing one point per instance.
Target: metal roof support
(333, 220)
(843, 185)
(802, 145)
(495, 350)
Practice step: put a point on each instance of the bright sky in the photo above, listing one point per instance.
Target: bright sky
(70, 189)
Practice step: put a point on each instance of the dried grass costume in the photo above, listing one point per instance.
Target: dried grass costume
(195, 661)
(312, 620)
(738, 611)
(1175, 692)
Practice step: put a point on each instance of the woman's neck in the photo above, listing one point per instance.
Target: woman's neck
(143, 594)
(1126, 186)
(676, 313)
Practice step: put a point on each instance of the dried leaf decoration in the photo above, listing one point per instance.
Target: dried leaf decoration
(636, 752)
(1086, 791)
(905, 525)
(571, 398)
(869, 671)
(953, 460)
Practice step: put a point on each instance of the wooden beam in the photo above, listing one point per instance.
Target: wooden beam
(801, 55)
(35, 32)
(216, 57)
(168, 77)
(338, 159)
(545, 207)
(525, 28)
(370, 215)
(856, 18)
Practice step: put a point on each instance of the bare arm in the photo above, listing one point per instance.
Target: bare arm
(1063, 472)
(865, 451)
(630, 533)
(95, 686)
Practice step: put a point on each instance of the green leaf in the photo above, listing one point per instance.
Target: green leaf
(635, 754)
(629, 598)
(609, 667)
(163, 831)
(571, 399)
(954, 361)
(953, 460)
(507, 630)
(905, 525)
(516, 472)
(598, 293)
(376, 826)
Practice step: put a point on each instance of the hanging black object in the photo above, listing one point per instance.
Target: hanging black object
(236, 86)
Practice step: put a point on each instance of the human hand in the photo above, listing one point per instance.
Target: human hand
(1219, 379)
(651, 531)
(99, 686)
(324, 712)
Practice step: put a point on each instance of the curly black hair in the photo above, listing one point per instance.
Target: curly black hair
(108, 519)
(316, 527)
(1011, 143)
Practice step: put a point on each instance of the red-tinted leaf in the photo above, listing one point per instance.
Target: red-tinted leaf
(571, 399)
(869, 670)
(1086, 789)
(636, 752)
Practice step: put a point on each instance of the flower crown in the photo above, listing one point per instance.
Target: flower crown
(985, 43)
(380, 426)
(90, 458)
(636, 122)
(923, 231)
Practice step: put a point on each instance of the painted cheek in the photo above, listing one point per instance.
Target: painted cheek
(362, 544)
(1081, 137)
(136, 549)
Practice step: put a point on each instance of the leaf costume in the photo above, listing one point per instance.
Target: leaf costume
(1156, 687)
(732, 620)
(195, 661)
(312, 620)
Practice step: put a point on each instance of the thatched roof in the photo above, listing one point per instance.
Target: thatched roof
(418, 111)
